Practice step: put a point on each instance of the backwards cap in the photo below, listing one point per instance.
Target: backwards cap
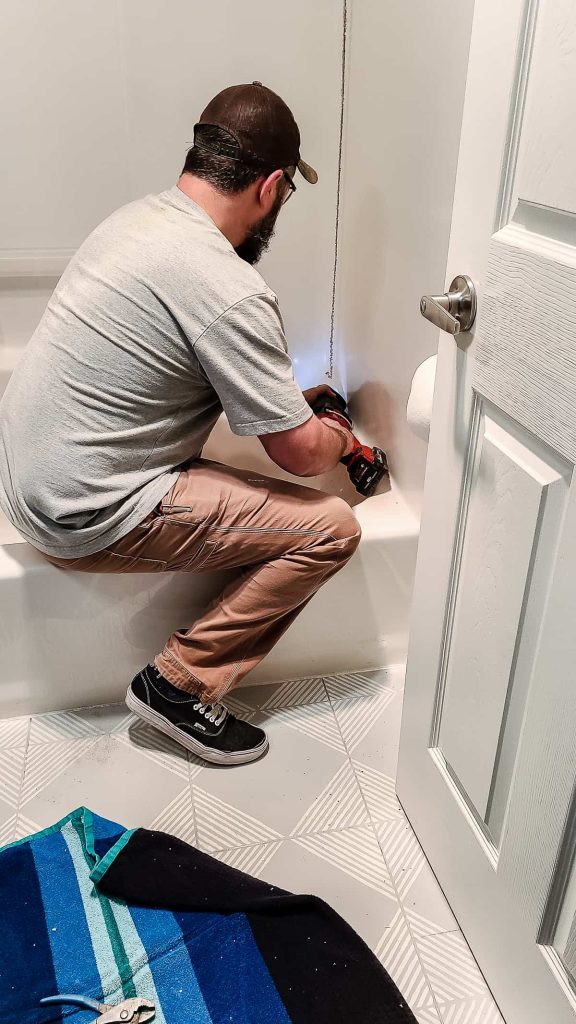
(252, 124)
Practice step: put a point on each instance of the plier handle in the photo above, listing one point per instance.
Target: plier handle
(129, 1011)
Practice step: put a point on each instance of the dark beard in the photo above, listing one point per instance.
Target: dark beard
(255, 245)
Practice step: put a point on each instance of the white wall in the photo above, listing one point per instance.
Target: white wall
(97, 104)
(406, 76)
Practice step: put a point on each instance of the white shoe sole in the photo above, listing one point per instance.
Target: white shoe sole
(153, 718)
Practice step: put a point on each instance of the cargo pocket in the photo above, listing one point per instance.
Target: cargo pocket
(201, 557)
(116, 562)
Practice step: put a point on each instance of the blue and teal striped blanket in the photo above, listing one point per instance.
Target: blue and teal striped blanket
(90, 907)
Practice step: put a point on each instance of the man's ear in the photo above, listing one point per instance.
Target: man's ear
(269, 188)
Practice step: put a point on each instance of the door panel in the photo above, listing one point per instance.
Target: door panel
(545, 168)
(487, 765)
(509, 499)
(562, 916)
(525, 355)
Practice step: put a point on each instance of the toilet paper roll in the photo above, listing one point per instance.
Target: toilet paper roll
(419, 408)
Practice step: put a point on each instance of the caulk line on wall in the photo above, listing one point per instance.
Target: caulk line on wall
(330, 371)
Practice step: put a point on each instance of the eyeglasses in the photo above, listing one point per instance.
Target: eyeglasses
(291, 188)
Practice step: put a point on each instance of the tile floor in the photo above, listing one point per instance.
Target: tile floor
(317, 814)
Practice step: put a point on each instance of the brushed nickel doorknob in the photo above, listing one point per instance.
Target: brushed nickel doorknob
(455, 311)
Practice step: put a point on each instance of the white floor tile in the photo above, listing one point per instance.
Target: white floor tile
(11, 772)
(427, 1015)
(398, 954)
(453, 972)
(370, 726)
(358, 888)
(61, 725)
(305, 782)
(318, 814)
(134, 777)
(14, 732)
(476, 1010)
(357, 684)
(415, 882)
(282, 695)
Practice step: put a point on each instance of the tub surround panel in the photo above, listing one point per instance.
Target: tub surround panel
(74, 639)
(406, 78)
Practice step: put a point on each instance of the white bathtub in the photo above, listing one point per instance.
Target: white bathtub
(74, 639)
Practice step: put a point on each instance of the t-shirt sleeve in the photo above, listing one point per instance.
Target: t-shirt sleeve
(245, 357)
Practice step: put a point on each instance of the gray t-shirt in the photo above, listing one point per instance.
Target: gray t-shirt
(154, 328)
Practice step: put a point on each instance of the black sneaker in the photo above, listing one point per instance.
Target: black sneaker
(208, 730)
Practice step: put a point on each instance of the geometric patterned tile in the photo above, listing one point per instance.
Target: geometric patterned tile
(427, 1015)
(314, 720)
(114, 778)
(221, 826)
(397, 953)
(12, 763)
(46, 761)
(14, 732)
(403, 853)
(379, 792)
(359, 716)
(415, 882)
(356, 853)
(158, 748)
(420, 926)
(177, 818)
(239, 705)
(299, 772)
(60, 725)
(283, 695)
(371, 726)
(461, 993)
(356, 684)
(108, 759)
(451, 968)
(7, 828)
(251, 859)
(476, 1010)
(25, 826)
(306, 868)
(338, 806)
(84, 722)
(18, 826)
(108, 718)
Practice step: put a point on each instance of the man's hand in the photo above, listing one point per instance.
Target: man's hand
(340, 423)
(311, 394)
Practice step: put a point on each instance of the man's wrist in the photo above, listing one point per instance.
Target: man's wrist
(346, 436)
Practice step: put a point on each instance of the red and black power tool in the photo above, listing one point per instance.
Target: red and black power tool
(366, 466)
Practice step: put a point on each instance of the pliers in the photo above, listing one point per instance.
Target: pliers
(129, 1011)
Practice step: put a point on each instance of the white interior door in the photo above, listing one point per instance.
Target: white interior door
(488, 749)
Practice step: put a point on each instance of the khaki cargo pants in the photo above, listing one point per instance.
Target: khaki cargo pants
(285, 539)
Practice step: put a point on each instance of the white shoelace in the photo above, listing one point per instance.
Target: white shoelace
(213, 712)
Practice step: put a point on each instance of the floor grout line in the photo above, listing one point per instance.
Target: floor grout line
(192, 801)
(22, 774)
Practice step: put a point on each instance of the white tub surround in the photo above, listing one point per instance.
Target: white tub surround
(120, 101)
(74, 639)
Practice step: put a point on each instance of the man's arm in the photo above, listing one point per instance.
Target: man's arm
(245, 357)
(310, 449)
